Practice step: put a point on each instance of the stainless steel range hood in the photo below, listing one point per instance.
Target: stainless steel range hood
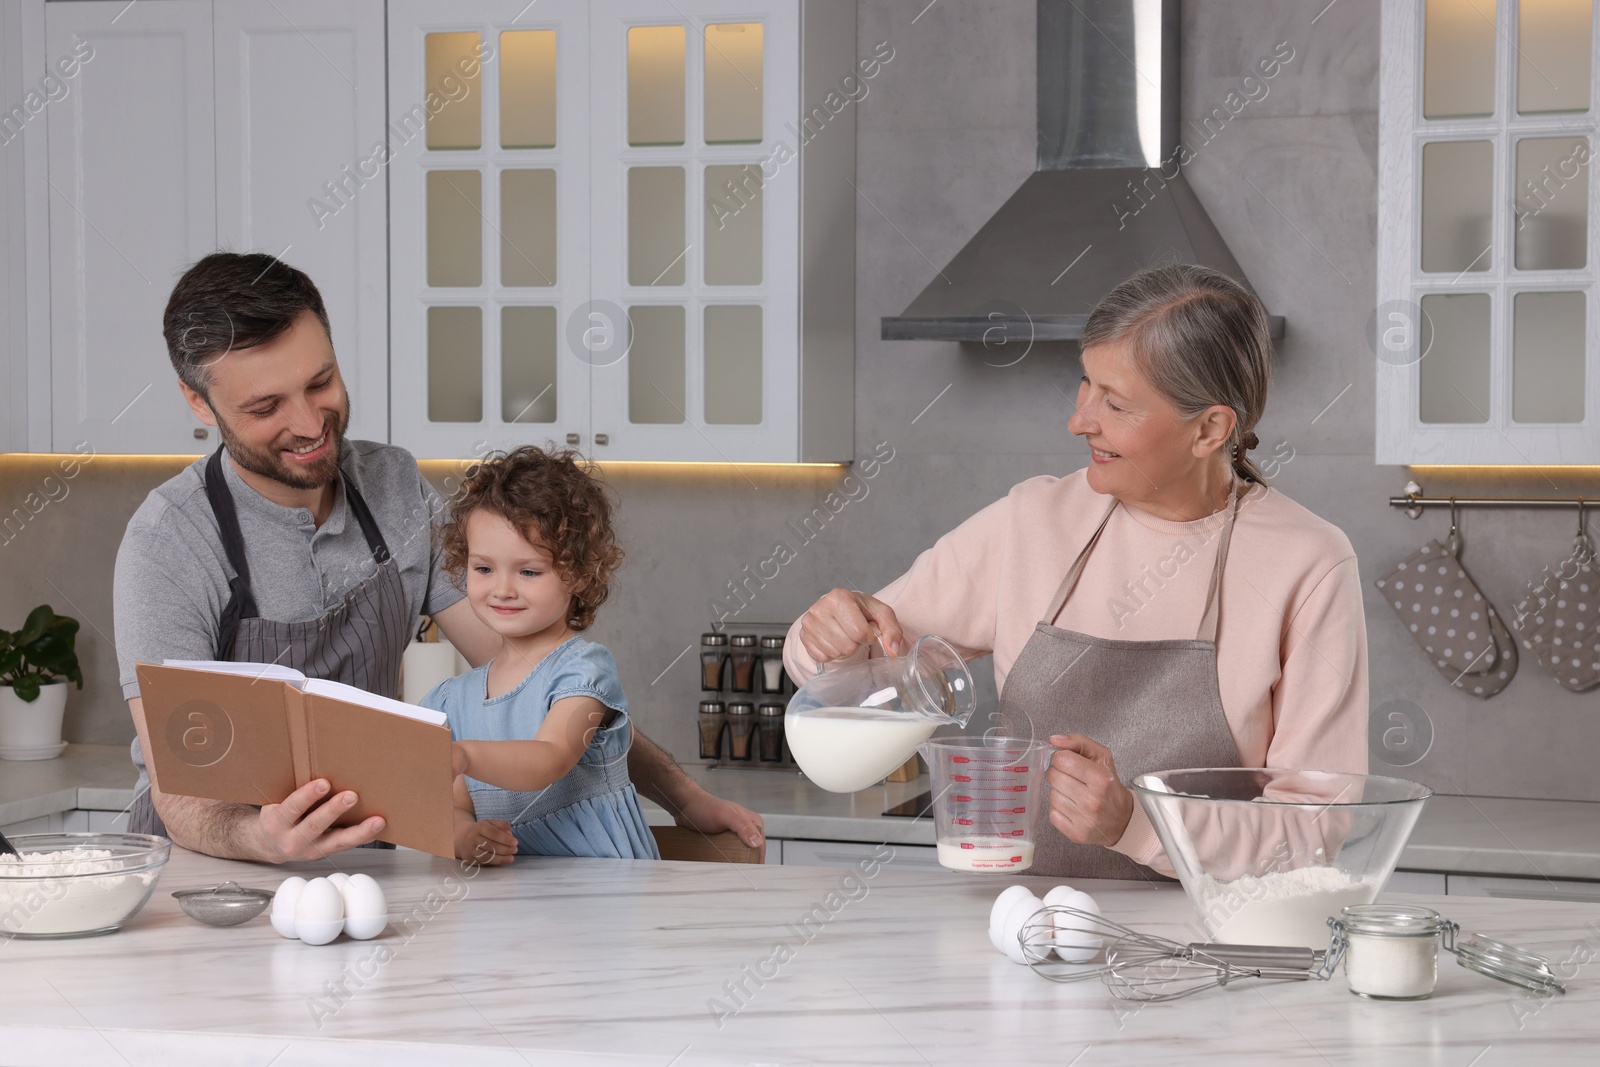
(1108, 197)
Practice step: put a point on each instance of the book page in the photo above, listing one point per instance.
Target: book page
(350, 694)
(275, 672)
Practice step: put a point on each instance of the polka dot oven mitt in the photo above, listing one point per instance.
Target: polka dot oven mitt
(1557, 620)
(1451, 620)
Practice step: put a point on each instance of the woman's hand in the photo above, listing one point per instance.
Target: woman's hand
(1088, 802)
(844, 621)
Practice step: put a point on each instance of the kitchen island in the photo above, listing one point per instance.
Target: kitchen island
(555, 961)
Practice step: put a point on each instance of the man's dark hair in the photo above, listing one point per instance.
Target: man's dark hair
(230, 300)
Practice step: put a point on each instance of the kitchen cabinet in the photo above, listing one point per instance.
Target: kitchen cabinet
(1486, 328)
(799, 853)
(78, 820)
(1432, 882)
(1479, 885)
(604, 232)
(190, 126)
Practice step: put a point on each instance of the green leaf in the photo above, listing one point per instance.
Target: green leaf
(10, 660)
(27, 689)
(37, 620)
(62, 626)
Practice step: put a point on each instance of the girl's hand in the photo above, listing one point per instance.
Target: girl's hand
(459, 762)
(844, 621)
(488, 842)
(1088, 802)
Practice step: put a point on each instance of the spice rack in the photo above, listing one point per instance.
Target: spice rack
(743, 693)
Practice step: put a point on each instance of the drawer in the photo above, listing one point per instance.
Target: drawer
(798, 853)
(1482, 885)
(1429, 882)
(108, 822)
(44, 824)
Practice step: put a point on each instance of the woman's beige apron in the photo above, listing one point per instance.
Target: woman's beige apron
(1155, 704)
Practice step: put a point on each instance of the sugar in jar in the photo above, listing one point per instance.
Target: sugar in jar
(1391, 951)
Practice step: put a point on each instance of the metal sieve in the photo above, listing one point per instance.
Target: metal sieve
(228, 904)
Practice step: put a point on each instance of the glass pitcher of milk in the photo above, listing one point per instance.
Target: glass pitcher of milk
(855, 722)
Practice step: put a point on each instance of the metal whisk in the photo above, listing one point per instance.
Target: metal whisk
(1143, 966)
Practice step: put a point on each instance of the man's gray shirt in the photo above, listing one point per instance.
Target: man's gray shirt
(172, 575)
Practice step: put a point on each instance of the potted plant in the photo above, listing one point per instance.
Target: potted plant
(36, 663)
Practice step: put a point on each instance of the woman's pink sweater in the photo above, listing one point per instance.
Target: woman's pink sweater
(1291, 644)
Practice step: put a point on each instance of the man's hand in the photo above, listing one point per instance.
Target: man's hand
(1088, 802)
(712, 814)
(299, 828)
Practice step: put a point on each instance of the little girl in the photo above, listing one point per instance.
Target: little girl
(543, 727)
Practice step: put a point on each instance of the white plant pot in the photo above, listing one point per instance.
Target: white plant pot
(32, 731)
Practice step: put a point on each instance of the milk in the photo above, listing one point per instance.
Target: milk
(846, 749)
(984, 854)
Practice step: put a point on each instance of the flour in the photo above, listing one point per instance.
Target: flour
(49, 893)
(1279, 908)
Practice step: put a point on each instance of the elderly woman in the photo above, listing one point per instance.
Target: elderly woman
(1162, 607)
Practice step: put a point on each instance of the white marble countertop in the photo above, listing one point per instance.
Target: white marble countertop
(554, 961)
(1477, 835)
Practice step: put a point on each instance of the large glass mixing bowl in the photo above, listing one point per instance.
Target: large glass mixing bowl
(1266, 855)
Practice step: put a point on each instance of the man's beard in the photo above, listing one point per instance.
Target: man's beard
(268, 464)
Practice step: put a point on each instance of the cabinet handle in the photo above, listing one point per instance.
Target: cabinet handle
(201, 433)
(602, 439)
(573, 438)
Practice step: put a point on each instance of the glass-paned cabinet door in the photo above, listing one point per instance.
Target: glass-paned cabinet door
(1485, 332)
(489, 223)
(696, 220)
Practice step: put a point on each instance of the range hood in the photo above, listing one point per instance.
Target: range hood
(1108, 197)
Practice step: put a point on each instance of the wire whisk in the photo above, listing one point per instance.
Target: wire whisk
(1147, 967)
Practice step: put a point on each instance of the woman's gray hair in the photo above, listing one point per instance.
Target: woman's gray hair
(1200, 338)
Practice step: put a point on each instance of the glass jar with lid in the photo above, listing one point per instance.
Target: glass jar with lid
(1391, 951)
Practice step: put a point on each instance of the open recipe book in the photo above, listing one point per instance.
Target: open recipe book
(252, 733)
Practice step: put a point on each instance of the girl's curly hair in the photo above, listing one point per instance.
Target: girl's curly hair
(554, 499)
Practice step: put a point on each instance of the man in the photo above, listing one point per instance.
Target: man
(292, 545)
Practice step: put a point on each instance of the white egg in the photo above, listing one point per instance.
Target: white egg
(1011, 926)
(365, 911)
(1002, 904)
(319, 913)
(1073, 943)
(340, 879)
(283, 905)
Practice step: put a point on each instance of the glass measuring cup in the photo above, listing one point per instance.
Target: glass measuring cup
(985, 793)
(855, 722)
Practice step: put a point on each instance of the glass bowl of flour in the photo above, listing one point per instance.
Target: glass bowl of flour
(1266, 855)
(77, 884)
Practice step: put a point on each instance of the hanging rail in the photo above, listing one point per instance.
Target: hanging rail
(1414, 501)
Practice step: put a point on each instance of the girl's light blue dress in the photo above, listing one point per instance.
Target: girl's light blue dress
(593, 810)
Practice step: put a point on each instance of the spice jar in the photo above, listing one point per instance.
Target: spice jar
(741, 724)
(772, 665)
(1391, 951)
(713, 720)
(744, 663)
(713, 661)
(770, 717)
